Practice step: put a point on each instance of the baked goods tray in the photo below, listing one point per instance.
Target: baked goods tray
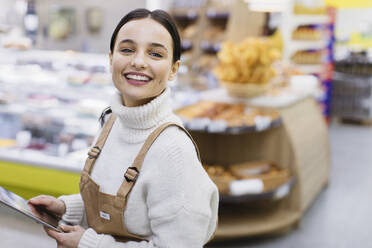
(227, 118)
(209, 126)
(275, 194)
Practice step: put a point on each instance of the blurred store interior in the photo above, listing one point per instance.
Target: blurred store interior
(276, 93)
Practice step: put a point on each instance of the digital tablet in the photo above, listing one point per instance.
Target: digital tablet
(44, 217)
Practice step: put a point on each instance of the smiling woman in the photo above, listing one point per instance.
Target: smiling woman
(143, 184)
(142, 57)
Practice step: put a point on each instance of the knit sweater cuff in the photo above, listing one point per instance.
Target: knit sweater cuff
(74, 209)
(90, 239)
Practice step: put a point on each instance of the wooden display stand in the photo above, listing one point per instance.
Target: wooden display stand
(300, 144)
(244, 23)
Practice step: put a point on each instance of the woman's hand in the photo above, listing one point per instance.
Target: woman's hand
(50, 203)
(69, 239)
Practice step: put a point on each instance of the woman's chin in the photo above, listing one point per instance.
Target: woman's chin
(132, 98)
(139, 95)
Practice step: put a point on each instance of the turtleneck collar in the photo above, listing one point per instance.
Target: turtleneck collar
(137, 122)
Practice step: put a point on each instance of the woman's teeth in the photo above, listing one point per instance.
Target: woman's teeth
(137, 77)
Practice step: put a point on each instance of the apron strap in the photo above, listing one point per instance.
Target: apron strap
(132, 172)
(97, 148)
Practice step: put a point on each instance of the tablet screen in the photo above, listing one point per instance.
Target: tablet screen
(16, 202)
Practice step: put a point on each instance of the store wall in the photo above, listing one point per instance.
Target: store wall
(82, 40)
(351, 20)
(159, 4)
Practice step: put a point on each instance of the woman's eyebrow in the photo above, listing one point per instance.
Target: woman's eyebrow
(127, 41)
(159, 45)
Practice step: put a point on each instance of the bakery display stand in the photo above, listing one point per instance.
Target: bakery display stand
(300, 145)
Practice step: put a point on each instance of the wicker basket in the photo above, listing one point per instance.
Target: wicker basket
(245, 89)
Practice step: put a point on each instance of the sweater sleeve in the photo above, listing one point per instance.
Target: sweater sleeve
(74, 209)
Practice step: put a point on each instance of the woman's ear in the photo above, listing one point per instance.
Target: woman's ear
(110, 56)
(174, 70)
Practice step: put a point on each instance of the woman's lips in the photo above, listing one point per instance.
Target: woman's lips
(137, 79)
(137, 82)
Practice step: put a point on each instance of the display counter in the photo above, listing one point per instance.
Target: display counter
(300, 144)
(50, 102)
(31, 180)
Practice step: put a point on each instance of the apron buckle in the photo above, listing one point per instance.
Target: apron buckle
(94, 152)
(131, 174)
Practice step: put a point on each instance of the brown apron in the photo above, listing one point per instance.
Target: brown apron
(105, 211)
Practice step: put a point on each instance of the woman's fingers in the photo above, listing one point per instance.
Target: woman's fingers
(69, 239)
(67, 228)
(53, 234)
(50, 203)
(41, 200)
(34, 210)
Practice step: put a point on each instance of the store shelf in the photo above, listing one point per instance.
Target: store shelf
(35, 158)
(310, 69)
(186, 45)
(210, 47)
(306, 45)
(240, 221)
(274, 195)
(299, 20)
(190, 15)
(205, 126)
(217, 15)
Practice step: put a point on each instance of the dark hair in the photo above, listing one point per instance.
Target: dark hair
(158, 15)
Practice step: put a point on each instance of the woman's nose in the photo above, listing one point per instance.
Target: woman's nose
(138, 61)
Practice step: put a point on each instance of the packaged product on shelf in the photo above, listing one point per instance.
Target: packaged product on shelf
(219, 9)
(186, 13)
(214, 34)
(221, 177)
(202, 27)
(271, 175)
(18, 43)
(100, 79)
(78, 78)
(189, 32)
(308, 57)
(307, 33)
(248, 179)
(187, 35)
(312, 8)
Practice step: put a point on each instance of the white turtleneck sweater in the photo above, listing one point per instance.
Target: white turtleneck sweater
(173, 203)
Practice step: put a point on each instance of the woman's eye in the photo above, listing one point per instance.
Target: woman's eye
(154, 54)
(126, 50)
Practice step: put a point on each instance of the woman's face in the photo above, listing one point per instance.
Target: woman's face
(141, 62)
